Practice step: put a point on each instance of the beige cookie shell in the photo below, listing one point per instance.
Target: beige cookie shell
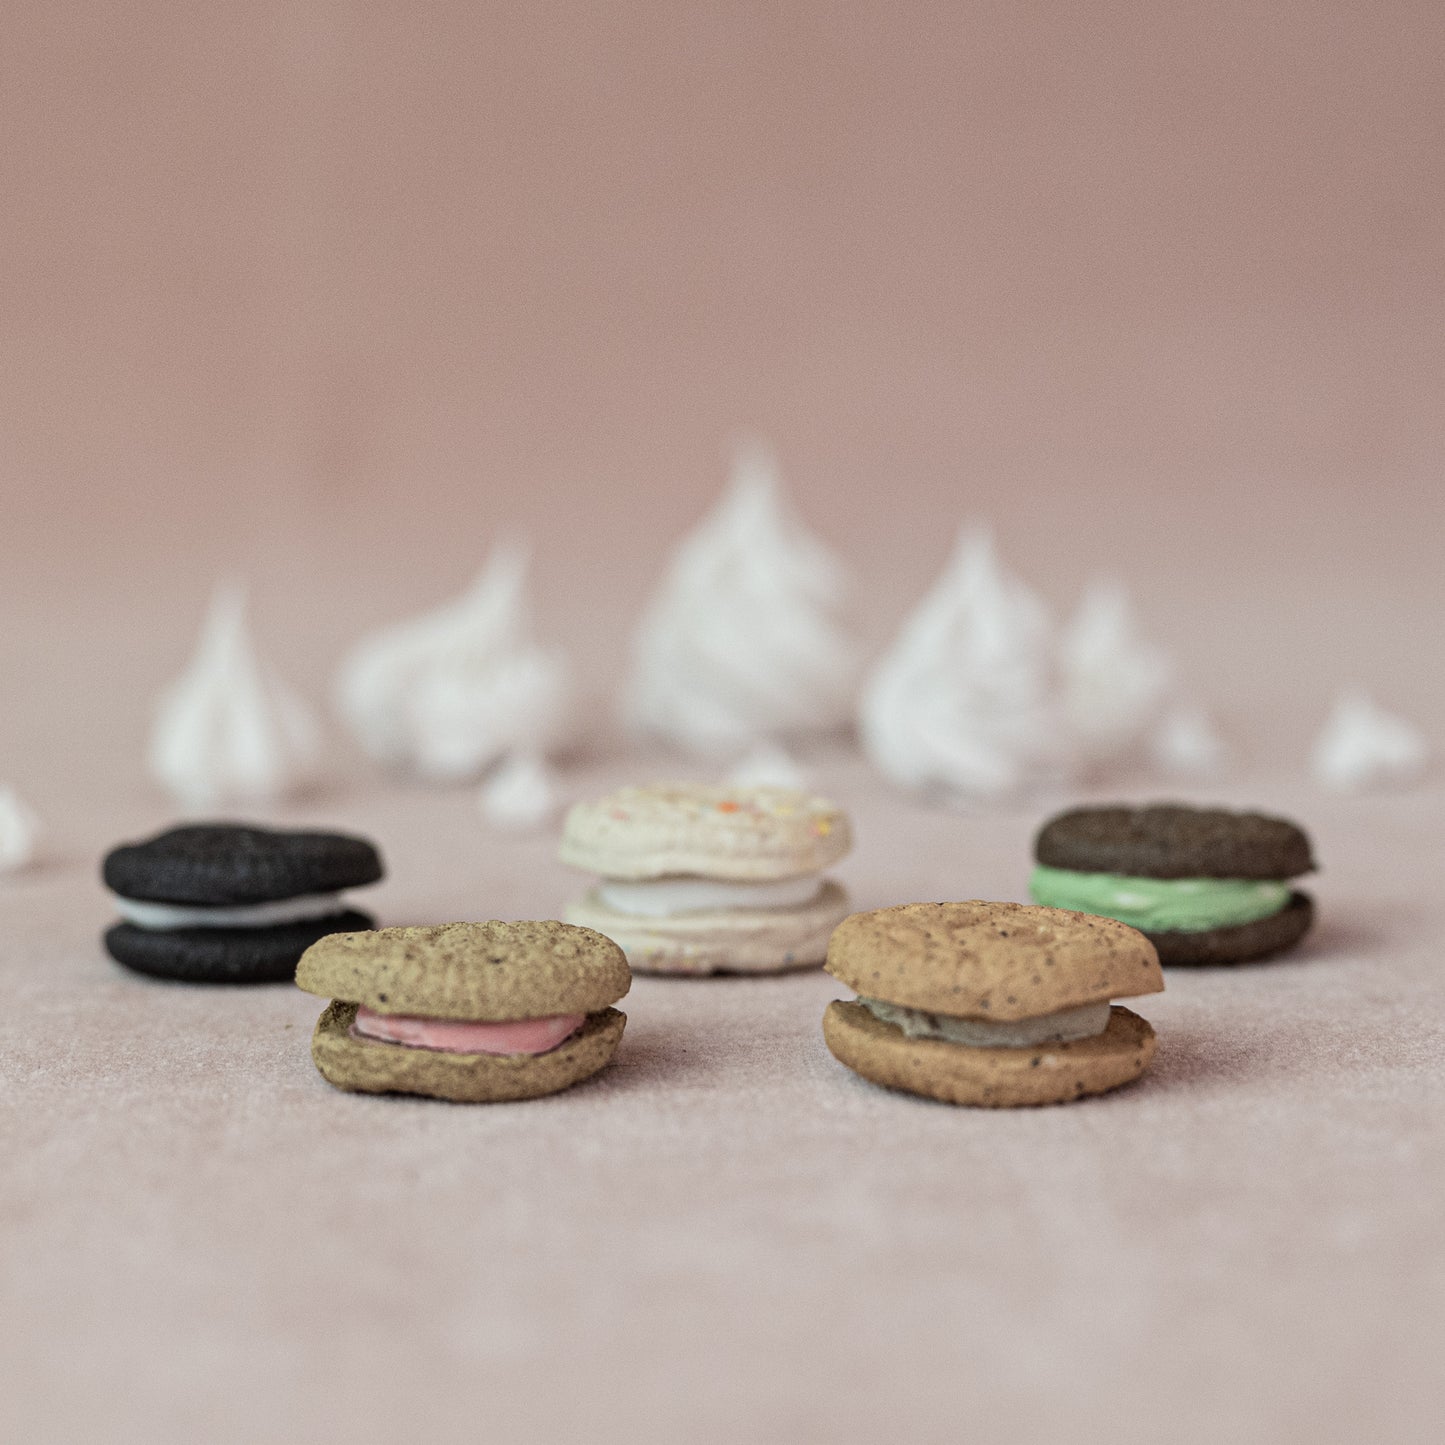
(480, 971)
(733, 940)
(998, 961)
(989, 1078)
(368, 1066)
(706, 830)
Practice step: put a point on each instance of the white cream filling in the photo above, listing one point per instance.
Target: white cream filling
(1085, 1022)
(163, 916)
(663, 897)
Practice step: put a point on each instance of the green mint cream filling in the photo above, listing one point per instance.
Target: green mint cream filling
(1160, 905)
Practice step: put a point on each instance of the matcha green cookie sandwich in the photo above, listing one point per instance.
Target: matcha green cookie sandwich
(474, 1012)
(1203, 884)
(991, 1004)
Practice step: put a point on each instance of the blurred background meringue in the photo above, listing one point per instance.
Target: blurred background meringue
(1153, 293)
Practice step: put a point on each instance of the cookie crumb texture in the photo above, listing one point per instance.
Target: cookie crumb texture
(1173, 840)
(368, 1066)
(994, 961)
(989, 1078)
(705, 830)
(494, 970)
(230, 864)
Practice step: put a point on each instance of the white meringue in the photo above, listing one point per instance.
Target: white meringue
(19, 832)
(1112, 680)
(744, 638)
(229, 731)
(766, 765)
(1187, 744)
(963, 703)
(1362, 746)
(449, 693)
(520, 795)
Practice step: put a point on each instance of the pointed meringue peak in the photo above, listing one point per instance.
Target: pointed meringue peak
(766, 765)
(228, 730)
(755, 486)
(448, 694)
(1362, 746)
(520, 794)
(745, 639)
(978, 593)
(1113, 680)
(500, 586)
(19, 832)
(962, 705)
(1186, 744)
(753, 538)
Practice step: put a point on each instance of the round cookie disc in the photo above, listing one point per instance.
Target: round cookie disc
(704, 829)
(1244, 943)
(369, 1066)
(989, 1078)
(483, 971)
(220, 864)
(997, 961)
(1172, 840)
(734, 940)
(225, 955)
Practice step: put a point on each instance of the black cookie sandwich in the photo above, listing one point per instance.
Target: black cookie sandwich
(1204, 885)
(233, 903)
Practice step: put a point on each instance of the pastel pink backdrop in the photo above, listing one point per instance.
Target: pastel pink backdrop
(328, 294)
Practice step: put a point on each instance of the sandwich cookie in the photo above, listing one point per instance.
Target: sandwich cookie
(1203, 884)
(700, 878)
(991, 1004)
(229, 903)
(474, 1012)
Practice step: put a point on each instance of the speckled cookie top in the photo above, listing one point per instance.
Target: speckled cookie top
(484, 971)
(707, 829)
(1173, 840)
(1000, 961)
(234, 863)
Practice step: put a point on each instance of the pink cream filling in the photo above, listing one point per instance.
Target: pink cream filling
(465, 1036)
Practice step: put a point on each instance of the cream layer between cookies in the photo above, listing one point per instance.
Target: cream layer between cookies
(467, 1036)
(164, 916)
(665, 897)
(1086, 1022)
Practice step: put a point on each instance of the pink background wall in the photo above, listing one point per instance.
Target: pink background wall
(328, 293)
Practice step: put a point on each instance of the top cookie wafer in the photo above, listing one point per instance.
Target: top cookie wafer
(994, 961)
(1171, 840)
(705, 829)
(482, 971)
(223, 864)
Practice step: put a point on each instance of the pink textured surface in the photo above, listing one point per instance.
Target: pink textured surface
(726, 1236)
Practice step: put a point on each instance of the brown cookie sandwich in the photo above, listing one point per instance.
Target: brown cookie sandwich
(1205, 885)
(990, 1004)
(474, 1012)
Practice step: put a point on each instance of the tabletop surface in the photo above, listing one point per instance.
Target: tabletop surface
(726, 1235)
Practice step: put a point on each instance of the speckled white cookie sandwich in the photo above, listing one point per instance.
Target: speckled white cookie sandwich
(710, 878)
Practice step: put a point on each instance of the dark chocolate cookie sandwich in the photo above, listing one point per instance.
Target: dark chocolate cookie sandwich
(1204, 885)
(232, 903)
